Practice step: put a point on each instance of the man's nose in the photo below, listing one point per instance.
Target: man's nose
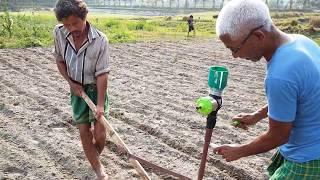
(72, 29)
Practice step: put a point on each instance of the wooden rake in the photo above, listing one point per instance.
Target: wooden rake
(118, 141)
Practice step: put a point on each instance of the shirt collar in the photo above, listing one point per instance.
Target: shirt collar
(92, 33)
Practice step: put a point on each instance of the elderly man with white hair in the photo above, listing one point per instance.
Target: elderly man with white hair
(292, 87)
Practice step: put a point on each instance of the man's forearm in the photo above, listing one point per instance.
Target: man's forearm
(262, 113)
(277, 135)
(102, 82)
(262, 144)
(63, 70)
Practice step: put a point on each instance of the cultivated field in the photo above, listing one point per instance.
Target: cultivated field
(153, 87)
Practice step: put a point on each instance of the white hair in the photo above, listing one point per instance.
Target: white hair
(238, 17)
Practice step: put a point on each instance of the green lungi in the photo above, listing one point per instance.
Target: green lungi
(280, 169)
(82, 114)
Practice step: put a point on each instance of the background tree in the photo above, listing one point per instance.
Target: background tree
(221, 5)
(186, 5)
(214, 4)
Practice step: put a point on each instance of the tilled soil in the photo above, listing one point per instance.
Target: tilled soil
(153, 87)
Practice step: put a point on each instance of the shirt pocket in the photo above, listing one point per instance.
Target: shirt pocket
(91, 57)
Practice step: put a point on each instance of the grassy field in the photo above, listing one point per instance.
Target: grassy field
(31, 29)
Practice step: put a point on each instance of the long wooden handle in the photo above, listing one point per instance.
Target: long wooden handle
(119, 141)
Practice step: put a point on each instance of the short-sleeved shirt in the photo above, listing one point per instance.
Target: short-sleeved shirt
(190, 21)
(90, 61)
(293, 91)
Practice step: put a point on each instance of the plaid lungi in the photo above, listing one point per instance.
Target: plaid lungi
(282, 169)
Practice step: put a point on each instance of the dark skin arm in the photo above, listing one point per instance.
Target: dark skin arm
(277, 135)
(76, 88)
(102, 83)
(248, 119)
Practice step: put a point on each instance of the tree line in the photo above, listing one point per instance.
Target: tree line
(16, 5)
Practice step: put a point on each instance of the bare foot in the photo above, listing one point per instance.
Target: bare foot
(101, 175)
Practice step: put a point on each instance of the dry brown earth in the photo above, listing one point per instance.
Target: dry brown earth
(153, 87)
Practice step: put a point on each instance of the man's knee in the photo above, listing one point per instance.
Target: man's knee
(100, 136)
(100, 131)
(84, 129)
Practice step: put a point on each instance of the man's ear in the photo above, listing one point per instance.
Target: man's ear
(225, 38)
(259, 34)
